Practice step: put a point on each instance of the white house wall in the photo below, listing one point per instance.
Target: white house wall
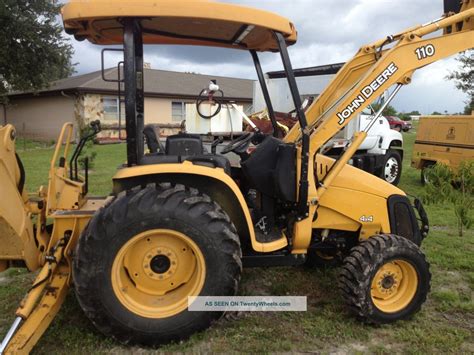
(40, 117)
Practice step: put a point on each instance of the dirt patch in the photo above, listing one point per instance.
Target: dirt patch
(440, 228)
(460, 319)
(452, 280)
(349, 349)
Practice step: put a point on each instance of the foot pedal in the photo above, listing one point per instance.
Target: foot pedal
(267, 237)
(266, 233)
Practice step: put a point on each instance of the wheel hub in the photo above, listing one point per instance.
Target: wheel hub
(388, 282)
(160, 264)
(391, 170)
(388, 285)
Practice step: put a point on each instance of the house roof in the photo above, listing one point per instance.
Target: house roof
(158, 83)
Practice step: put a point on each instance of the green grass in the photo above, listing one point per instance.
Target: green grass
(445, 324)
(108, 159)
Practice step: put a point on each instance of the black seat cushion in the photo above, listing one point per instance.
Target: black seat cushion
(156, 158)
(210, 160)
(184, 144)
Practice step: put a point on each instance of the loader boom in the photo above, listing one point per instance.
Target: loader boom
(375, 69)
(372, 71)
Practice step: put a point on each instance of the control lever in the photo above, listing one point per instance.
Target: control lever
(216, 142)
(95, 125)
(96, 128)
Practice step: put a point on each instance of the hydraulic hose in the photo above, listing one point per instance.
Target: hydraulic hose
(201, 99)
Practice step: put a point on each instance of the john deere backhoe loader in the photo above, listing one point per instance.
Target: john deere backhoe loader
(182, 222)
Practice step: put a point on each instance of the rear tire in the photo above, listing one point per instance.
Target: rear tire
(384, 279)
(141, 257)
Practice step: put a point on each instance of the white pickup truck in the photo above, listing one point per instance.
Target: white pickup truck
(381, 152)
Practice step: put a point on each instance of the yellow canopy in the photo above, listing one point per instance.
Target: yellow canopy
(194, 22)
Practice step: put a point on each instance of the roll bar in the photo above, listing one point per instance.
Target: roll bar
(134, 89)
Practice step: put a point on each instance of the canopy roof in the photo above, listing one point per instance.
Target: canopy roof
(191, 22)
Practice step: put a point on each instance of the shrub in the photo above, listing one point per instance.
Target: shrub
(457, 188)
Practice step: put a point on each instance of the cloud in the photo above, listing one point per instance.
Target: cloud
(328, 32)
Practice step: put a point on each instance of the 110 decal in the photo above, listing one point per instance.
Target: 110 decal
(425, 51)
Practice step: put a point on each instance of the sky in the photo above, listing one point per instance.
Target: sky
(328, 32)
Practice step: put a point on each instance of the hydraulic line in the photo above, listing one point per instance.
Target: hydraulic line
(209, 98)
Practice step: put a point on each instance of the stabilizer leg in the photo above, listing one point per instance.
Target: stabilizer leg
(36, 324)
(40, 305)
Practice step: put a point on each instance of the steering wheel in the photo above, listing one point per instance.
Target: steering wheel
(239, 145)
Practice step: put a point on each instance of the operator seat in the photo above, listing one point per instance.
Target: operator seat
(152, 137)
(184, 144)
(179, 148)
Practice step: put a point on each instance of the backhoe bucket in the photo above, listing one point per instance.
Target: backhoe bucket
(16, 229)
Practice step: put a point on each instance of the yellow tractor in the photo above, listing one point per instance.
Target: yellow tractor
(183, 222)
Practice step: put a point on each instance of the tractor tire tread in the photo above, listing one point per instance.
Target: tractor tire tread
(129, 206)
(358, 269)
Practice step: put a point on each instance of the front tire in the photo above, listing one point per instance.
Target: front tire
(140, 258)
(391, 170)
(384, 279)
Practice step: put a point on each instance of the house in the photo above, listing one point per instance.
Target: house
(83, 98)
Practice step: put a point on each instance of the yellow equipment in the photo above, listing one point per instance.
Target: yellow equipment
(443, 139)
(181, 222)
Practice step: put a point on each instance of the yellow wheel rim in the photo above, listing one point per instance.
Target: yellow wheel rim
(155, 271)
(394, 286)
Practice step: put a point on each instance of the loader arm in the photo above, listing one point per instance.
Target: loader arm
(372, 71)
(375, 69)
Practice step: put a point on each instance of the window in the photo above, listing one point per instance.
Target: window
(178, 111)
(110, 106)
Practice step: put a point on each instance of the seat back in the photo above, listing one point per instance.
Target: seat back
(152, 136)
(271, 169)
(184, 144)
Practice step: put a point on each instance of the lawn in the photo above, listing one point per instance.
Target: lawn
(445, 324)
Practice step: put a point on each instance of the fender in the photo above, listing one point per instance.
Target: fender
(211, 181)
